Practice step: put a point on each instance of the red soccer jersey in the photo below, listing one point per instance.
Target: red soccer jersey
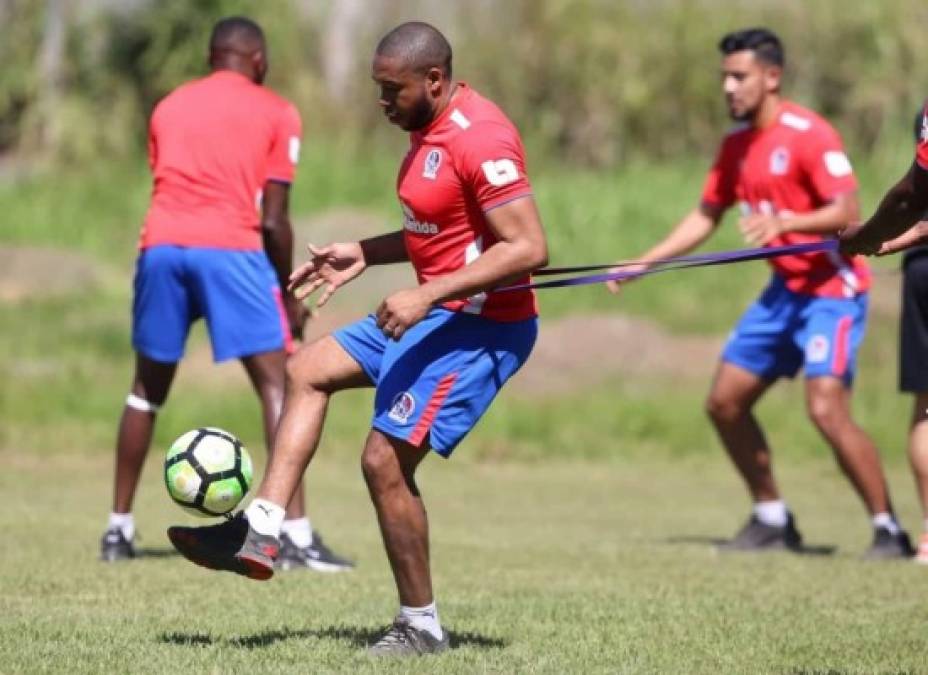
(468, 161)
(212, 145)
(795, 165)
(921, 152)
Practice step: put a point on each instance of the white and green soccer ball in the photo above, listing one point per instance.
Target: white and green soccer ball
(207, 472)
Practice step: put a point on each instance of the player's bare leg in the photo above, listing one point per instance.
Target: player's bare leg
(389, 467)
(730, 406)
(150, 385)
(829, 405)
(301, 546)
(918, 457)
(249, 546)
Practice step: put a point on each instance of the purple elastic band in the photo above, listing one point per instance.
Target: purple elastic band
(667, 264)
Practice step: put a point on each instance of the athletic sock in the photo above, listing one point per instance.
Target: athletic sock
(424, 618)
(265, 517)
(299, 530)
(124, 522)
(773, 513)
(886, 521)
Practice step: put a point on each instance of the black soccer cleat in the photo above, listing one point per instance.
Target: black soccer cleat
(317, 556)
(889, 546)
(115, 547)
(759, 537)
(402, 639)
(231, 546)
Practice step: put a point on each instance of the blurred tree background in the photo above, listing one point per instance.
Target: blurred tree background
(590, 82)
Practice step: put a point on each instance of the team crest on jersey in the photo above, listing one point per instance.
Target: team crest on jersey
(404, 405)
(432, 164)
(817, 349)
(779, 161)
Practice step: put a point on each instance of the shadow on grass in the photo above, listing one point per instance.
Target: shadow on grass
(813, 550)
(358, 637)
(156, 552)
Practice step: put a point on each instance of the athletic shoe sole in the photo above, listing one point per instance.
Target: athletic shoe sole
(244, 564)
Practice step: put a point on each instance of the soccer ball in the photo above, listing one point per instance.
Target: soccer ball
(207, 472)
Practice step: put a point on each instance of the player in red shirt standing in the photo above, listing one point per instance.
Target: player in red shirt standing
(786, 169)
(216, 243)
(900, 224)
(437, 354)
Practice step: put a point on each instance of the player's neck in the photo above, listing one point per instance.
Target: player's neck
(445, 100)
(767, 113)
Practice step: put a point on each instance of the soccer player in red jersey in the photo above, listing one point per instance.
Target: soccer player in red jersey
(899, 224)
(216, 243)
(437, 354)
(786, 169)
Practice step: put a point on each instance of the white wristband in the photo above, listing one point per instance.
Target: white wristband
(140, 404)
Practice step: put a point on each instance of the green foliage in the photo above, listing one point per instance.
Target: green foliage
(589, 81)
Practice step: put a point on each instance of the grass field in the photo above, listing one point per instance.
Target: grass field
(555, 567)
(572, 531)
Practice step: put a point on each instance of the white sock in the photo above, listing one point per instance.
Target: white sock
(265, 517)
(886, 521)
(299, 530)
(123, 521)
(772, 513)
(424, 618)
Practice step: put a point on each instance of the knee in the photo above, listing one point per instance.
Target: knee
(379, 467)
(302, 372)
(825, 413)
(723, 410)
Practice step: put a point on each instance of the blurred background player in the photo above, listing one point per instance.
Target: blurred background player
(437, 353)
(786, 168)
(908, 203)
(220, 148)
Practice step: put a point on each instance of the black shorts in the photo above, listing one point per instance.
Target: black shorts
(913, 330)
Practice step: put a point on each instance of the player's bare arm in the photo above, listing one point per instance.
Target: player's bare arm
(520, 249)
(277, 234)
(693, 230)
(334, 265)
(760, 229)
(902, 207)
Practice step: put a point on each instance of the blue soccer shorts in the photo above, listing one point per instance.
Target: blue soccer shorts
(784, 331)
(235, 291)
(434, 384)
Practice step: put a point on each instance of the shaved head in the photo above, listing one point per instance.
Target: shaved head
(419, 46)
(236, 34)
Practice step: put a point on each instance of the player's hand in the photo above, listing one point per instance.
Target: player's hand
(297, 315)
(401, 311)
(759, 229)
(851, 241)
(616, 286)
(916, 236)
(330, 268)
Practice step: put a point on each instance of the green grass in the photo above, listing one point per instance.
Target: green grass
(555, 567)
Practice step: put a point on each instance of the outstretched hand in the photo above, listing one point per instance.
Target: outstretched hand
(615, 286)
(853, 243)
(331, 267)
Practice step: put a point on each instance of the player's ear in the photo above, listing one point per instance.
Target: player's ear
(259, 64)
(434, 80)
(772, 76)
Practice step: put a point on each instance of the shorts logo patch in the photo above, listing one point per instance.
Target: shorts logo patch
(817, 349)
(404, 405)
(432, 164)
(779, 161)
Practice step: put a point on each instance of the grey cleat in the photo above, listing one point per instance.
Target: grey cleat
(231, 546)
(317, 556)
(115, 547)
(402, 639)
(888, 546)
(758, 537)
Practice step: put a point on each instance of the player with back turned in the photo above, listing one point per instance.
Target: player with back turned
(216, 243)
(785, 168)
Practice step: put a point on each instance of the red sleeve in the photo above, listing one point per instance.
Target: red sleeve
(921, 151)
(826, 164)
(285, 149)
(718, 190)
(490, 160)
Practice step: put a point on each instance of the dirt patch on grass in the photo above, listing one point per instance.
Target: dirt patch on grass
(577, 351)
(32, 272)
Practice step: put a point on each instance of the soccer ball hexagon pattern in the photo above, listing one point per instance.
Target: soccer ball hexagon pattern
(207, 471)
